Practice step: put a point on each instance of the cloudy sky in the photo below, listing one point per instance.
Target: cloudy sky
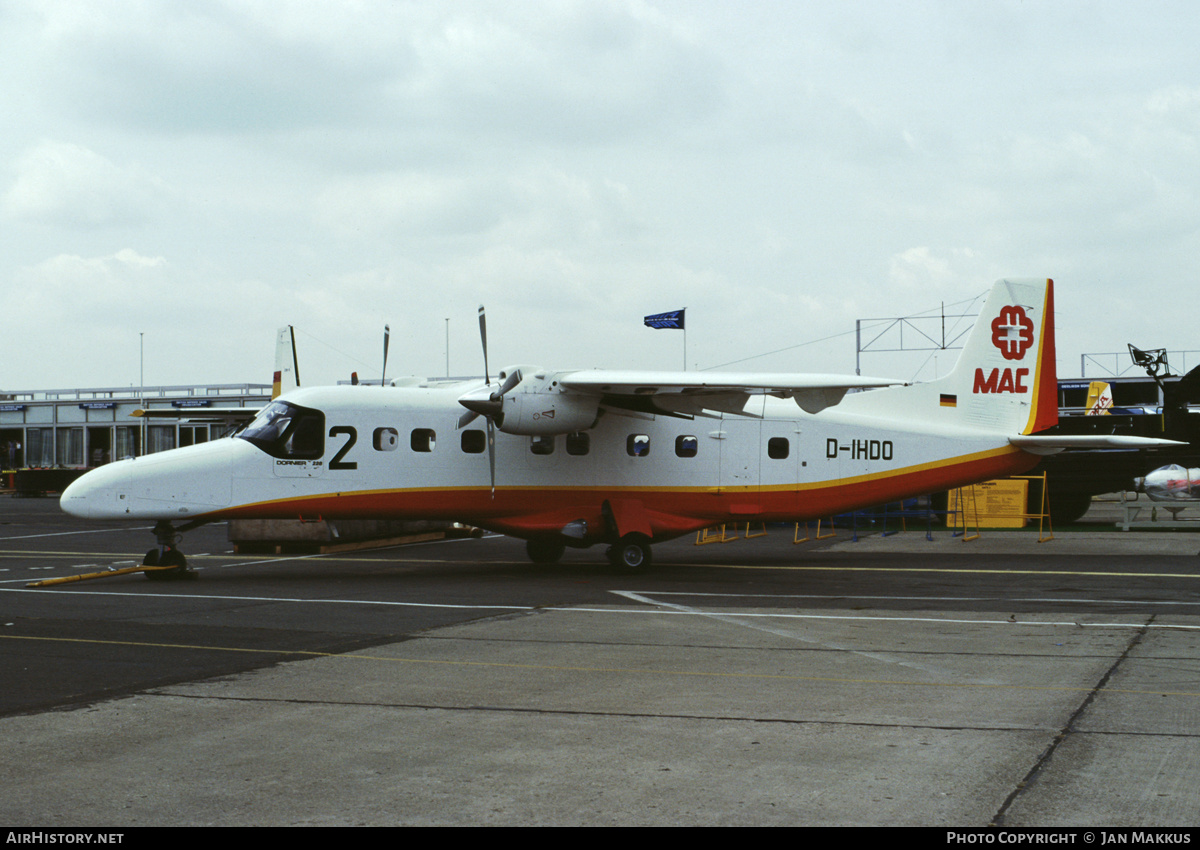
(205, 172)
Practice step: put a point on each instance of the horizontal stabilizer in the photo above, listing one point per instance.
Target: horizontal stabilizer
(1053, 443)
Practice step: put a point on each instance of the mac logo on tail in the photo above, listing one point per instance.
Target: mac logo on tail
(1012, 334)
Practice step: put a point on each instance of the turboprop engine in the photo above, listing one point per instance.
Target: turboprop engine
(531, 403)
(538, 406)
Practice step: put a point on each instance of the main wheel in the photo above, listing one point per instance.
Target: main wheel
(544, 550)
(1068, 506)
(631, 554)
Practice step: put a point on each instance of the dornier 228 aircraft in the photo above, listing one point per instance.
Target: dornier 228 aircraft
(623, 458)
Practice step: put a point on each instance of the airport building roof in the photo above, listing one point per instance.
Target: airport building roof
(84, 427)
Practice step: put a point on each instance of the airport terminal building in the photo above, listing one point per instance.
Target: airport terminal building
(83, 428)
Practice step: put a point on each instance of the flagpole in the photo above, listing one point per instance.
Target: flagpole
(674, 319)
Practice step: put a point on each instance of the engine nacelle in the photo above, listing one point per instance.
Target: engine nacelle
(539, 407)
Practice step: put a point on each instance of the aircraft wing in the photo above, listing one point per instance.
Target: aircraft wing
(690, 393)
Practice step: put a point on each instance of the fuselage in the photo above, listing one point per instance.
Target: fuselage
(397, 452)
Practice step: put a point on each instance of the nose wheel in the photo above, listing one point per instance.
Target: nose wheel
(166, 561)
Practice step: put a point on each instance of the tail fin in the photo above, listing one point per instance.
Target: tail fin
(1099, 399)
(1005, 378)
(287, 368)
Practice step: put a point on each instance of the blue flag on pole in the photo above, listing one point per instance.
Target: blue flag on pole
(672, 320)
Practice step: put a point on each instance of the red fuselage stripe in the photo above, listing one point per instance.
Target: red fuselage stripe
(530, 511)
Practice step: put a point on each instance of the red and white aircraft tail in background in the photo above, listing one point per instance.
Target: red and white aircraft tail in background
(575, 458)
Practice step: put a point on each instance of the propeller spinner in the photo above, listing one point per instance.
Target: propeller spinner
(487, 401)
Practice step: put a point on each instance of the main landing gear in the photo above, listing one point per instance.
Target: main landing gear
(168, 562)
(630, 554)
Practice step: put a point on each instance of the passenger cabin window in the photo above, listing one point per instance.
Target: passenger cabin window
(637, 445)
(423, 439)
(686, 446)
(541, 445)
(778, 448)
(386, 439)
(578, 443)
(286, 430)
(474, 442)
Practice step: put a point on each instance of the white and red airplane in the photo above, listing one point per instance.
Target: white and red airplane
(616, 457)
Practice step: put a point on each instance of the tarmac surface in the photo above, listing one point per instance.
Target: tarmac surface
(881, 681)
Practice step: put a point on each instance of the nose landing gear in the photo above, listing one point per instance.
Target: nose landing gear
(166, 561)
(162, 563)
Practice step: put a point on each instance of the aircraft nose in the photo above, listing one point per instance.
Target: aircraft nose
(175, 484)
(98, 494)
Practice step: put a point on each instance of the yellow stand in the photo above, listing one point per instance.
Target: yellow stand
(962, 512)
(711, 535)
(797, 539)
(762, 533)
(1043, 518)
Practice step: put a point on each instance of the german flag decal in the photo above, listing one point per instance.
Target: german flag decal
(948, 400)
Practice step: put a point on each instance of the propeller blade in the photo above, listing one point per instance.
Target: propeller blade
(492, 453)
(387, 332)
(467, 418)
(512, 381)
(483, 338)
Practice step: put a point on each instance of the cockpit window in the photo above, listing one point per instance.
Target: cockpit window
(286, 430)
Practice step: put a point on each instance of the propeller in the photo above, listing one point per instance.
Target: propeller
(490, 405)
(487, 402)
